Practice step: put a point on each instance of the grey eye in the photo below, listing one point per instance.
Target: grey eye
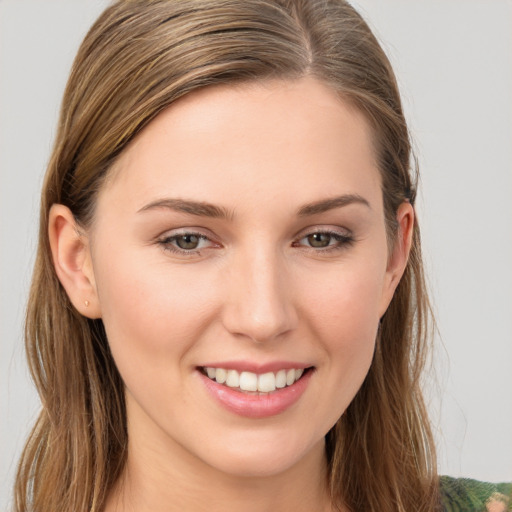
(188, 241)
(319, 239)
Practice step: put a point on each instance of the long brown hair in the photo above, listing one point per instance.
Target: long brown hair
(138, 58)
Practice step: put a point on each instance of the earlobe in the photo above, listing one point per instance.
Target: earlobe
(72, 261)
(399, 256)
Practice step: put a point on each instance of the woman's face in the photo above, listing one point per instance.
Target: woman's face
(242, 235)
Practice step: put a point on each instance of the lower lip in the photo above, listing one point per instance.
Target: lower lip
(257, 406)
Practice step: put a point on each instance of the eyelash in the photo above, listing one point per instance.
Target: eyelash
(343, 241)
(167, 243)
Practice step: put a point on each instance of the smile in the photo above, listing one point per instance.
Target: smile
(253, 382)
(255, 395)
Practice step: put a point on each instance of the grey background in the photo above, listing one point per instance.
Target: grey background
(453, 59)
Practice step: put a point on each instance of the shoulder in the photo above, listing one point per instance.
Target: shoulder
(466, 495)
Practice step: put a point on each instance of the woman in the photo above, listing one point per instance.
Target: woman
(228, 305)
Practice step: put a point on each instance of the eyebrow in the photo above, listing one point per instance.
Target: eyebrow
(330, 204)
(203, 209)
(198, 208)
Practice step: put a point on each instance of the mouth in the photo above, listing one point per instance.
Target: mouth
(254, 394)
(255, 383)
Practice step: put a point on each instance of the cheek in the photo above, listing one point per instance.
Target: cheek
(151, 314)
(154, 317)
(344, 318)
(345, 304)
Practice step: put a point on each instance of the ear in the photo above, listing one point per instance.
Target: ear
(72, 261)
(400, 253)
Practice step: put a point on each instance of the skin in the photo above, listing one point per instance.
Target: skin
(255, 290)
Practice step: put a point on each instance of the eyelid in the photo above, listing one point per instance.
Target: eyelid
(165, 240)
(186, 230)
(343, 236)
(332, 230)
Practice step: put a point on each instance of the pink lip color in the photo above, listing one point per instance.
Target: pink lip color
(247, 366)
(256, 406)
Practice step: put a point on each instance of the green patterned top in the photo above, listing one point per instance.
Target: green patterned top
(465, 495)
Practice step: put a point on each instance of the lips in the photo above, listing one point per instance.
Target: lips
(256, 394)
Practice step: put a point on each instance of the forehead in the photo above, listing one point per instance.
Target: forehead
(290, 138)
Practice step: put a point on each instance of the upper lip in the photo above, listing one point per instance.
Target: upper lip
(251, 366)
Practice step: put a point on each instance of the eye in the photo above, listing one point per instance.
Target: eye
(185, 242)
(325, 240)
(188, 241)
(319, 240)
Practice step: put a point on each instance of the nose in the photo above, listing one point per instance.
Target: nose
(259, 303)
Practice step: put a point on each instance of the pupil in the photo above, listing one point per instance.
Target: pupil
(319, 239)
(187, 241)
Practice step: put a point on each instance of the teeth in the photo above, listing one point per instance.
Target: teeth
(220, 375)
(249, 381)
(267, 382)
(281, 379)
(233, 379)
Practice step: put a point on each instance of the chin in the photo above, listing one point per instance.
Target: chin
(259, 458)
